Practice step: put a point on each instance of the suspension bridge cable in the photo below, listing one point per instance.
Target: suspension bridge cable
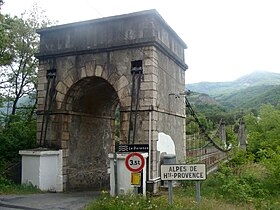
(203, 129)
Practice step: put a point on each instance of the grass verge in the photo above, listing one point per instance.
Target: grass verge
(8, 187)
(182, 199)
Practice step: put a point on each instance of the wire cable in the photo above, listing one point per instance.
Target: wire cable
(203, 129)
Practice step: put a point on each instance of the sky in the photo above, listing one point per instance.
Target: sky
(226, 39)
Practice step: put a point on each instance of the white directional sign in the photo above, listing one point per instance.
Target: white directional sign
(183, 172)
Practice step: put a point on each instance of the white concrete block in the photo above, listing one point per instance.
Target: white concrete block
(42, 168)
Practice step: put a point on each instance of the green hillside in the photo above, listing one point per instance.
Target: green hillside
(208, 109)
(215, 89)
(259, 78)
(247, 92)
(251, 97)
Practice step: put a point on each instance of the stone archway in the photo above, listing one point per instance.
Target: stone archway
(91, 102)
(93, 61)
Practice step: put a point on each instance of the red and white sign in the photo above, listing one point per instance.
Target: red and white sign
(134, 162)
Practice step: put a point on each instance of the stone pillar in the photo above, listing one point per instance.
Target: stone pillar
(222, 132)
(93, 74)
(242, 135)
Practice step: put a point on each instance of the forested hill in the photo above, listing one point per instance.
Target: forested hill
(255, 79)
(250, 91)
(251, 97)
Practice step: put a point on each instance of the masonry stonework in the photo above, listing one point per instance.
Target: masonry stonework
(92, 63)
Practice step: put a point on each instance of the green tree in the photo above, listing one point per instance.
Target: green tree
(264, 141)
(18, 69)
(264, 131)
(18, 46)
(6, 54)
(19, 134)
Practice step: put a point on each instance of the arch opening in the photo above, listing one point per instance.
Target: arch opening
(91, 104)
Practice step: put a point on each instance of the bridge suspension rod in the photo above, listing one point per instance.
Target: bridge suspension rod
(137, 72)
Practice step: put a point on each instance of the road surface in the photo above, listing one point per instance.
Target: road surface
(48, 201)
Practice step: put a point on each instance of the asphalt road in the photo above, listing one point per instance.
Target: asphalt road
(48, 201)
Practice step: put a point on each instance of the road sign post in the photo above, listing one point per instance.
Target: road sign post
(170, 192)
(197, 184)
(183, 172)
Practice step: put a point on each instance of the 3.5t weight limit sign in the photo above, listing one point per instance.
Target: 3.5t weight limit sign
(134, 162)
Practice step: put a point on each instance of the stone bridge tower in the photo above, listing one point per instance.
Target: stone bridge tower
(85, 76)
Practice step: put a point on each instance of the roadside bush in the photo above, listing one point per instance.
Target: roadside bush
(273, 165)
(17, 132)
(239, 180)
(16, 135)
(9, 187)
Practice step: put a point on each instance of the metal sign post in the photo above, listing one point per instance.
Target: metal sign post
(170, 192)
(116, 173)
(198, 193)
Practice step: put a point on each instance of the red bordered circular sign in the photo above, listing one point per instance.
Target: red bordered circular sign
(134, 162)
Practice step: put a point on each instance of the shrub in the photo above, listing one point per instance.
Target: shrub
(16, 135)
(127, 202)
(9, 187)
